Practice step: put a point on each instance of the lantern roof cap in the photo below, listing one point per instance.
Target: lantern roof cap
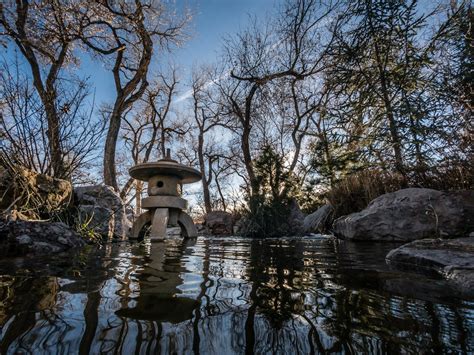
(167, 167)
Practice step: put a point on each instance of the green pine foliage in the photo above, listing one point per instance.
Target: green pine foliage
(268, 211)
(398, 111)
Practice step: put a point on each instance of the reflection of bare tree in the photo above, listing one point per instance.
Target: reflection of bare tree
(227, 295)
(91, 319)
(204, 285)
(276, 291)
(25, 297)
(255, 274)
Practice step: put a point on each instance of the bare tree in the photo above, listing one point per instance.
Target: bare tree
(45, 33)
(291, 47)
(205, 119)
(24, 125)
(160, 98)
(222, 169)
(209, 123)
(152, 126)
(296, 113)
(131, 31)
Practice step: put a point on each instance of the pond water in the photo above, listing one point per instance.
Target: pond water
(230, 296)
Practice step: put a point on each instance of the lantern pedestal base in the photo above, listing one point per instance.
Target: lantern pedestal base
(159, 218)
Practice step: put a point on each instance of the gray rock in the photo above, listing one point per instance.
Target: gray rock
(98, 218)
(318, 221)
(453, 259)
(24, 240)
(296, 218)
(104, 208)
(410, 214)
(63, 241)
(239, 226)
(202, 229)
(39, 237)
(3, 228)
(219, 223)
(45, 248)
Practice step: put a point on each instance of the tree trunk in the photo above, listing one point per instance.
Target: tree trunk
(328, 157)
(254, 188)
(219, 190)
(420, 161)
(205, 184)
(392, 124)
(110, 174)
(126, 96)
(395, 139)
(46, 90)
(54, 139)
(138, 196)
(163, 141)
(397, 150)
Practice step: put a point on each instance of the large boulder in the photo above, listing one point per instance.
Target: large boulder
(38, 237)
(31, 195)
(219, 223)
(102, 209)
(410, 214)
(318, 221)
(452, 259)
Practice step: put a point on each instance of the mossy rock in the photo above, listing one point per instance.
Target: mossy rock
(31, 194)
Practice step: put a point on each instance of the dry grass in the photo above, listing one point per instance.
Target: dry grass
(27, 195)
(356, 191)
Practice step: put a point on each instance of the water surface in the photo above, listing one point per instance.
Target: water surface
(230, 296)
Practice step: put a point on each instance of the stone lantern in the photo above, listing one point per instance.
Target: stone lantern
(165, 206)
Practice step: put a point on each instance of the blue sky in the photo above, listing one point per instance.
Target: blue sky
(213, 19)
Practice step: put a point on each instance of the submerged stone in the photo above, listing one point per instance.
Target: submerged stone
(452, 259)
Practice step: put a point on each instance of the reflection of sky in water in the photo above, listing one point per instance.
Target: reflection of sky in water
(222, 295)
